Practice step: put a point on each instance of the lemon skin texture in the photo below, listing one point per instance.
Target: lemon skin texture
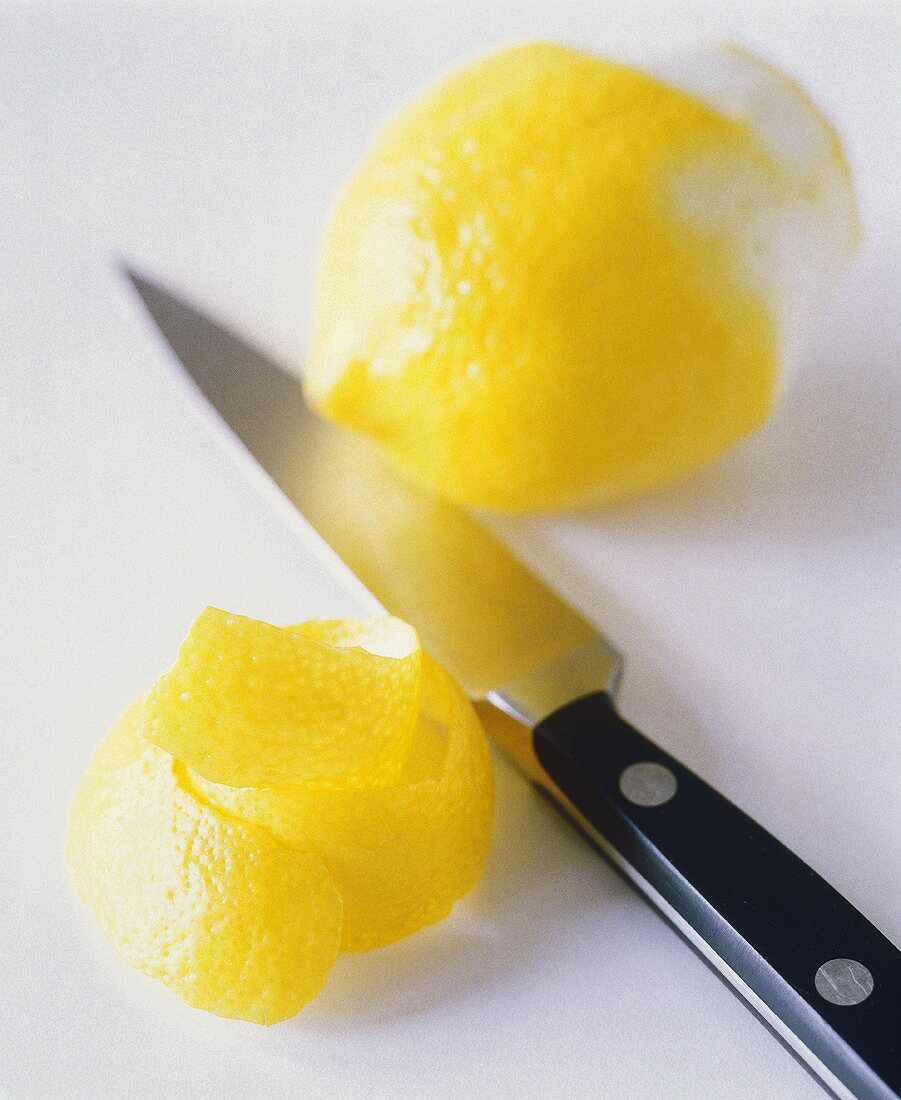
(400, 857)
(229, 918)
(512, 301)
(251, 704)
(239, 897)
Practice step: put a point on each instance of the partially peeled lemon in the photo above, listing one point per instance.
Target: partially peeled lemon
(231, 847)
(557, 281)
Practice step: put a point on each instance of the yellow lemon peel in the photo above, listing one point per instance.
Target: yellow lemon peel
(239, 898)
(521, 300)
(217, 909)
(399, 857)
(252, 705)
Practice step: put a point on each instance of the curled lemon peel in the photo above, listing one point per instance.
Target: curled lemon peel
(252, 705)
(239, 898)
(557, 281)
(399, 857)
(217, 909)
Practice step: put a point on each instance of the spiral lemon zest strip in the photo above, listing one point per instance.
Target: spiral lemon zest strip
(239, 898)
(252, 705)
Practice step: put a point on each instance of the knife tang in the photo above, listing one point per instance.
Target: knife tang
(814, 968)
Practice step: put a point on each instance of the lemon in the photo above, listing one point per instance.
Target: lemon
(237, 827)
(557, 281)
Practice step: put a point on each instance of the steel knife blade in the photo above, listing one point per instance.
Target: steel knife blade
(812, 967)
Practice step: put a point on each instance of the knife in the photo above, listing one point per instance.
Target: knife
(810, 965)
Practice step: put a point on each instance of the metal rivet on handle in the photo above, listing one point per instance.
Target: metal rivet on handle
(648, 784)
(843, 982)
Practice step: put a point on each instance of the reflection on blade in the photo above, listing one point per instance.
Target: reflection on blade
(478, 610)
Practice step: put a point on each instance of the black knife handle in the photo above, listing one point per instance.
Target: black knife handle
(764, 918)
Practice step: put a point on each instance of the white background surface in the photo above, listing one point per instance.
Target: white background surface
(757, 601)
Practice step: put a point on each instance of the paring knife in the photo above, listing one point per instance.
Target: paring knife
(807, 961)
